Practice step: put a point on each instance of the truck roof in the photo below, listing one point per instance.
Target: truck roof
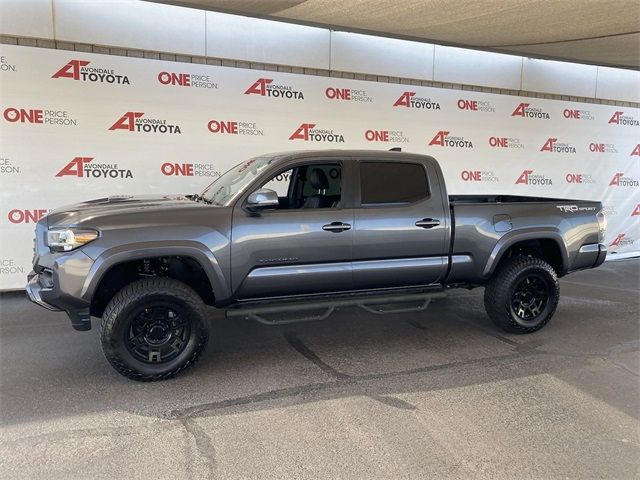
(345, 154)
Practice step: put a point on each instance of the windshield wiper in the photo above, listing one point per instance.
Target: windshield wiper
(199, 198)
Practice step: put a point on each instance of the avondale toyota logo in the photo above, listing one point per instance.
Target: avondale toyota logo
(443, 139)
(553, 146)
(619, 180)
(527, 177)
(79, 70)
(621, 241)
(136, 122)
(619, 118)
(409, 100)
(82, 167)
(309, 133)
(266, 88)
(525, 110)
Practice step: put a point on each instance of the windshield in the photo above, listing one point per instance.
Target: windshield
(227, 186)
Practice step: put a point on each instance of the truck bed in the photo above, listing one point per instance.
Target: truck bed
(484, 224)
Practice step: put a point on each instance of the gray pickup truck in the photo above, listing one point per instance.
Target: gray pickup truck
(293, 236)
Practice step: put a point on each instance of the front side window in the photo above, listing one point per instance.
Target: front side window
(392, 183)
(308, 186)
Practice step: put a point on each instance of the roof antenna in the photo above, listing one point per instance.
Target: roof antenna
(395, 149)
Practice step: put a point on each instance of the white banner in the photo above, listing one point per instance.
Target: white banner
(77, 126)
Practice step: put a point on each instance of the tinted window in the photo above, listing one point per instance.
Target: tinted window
(392, 182)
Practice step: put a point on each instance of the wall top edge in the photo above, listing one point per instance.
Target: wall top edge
(28, 42)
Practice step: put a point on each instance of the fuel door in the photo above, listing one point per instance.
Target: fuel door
(502, 223)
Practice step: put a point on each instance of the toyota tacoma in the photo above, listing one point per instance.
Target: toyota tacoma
(292, 236)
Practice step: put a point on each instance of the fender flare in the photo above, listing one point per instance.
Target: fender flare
(137, 251)
(523, 234)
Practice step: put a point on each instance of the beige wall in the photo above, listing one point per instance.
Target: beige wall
(131, 27)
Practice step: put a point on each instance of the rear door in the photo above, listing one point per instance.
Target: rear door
(400, 225)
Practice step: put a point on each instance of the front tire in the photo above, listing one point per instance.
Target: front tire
(522, 295)
(154, 329)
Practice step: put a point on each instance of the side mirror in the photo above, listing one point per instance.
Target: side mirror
(263, 198)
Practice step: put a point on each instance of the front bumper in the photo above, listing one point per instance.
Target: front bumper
(34, 291)
(56, 283)
(80, 317)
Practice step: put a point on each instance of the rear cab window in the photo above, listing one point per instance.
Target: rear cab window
(392, 183)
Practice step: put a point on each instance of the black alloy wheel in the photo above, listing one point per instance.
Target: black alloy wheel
(522, 294)
(154, 328)
(158, 333)
(530, 297)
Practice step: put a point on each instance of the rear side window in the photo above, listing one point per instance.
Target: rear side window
(392, 182)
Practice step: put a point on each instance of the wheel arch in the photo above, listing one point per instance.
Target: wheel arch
(128, 254)
(547, 244)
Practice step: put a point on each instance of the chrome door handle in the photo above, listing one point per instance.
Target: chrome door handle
(427, 223)
(336, 227)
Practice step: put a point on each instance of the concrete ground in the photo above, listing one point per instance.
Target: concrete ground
(441, 394)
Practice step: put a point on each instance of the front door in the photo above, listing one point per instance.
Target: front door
(400, 226)
(304, 245)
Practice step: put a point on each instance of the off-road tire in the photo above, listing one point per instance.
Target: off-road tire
(121, 312)
(499, 293)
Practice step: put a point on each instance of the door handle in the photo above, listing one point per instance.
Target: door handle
(427, 223)
(336, 227)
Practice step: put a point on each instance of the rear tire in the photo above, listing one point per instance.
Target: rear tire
(522, 295)
(154, 329)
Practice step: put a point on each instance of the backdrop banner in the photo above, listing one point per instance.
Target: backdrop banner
(77, 126)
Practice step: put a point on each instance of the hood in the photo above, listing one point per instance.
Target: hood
(92, 211)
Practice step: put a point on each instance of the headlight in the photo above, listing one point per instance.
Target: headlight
(65, 239)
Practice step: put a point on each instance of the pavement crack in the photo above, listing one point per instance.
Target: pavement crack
(612, 355)
(299, 346)
(199, 410)
(300, 392)
(64, 435)
(203, 443)
(519, 347)
(393, 402)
